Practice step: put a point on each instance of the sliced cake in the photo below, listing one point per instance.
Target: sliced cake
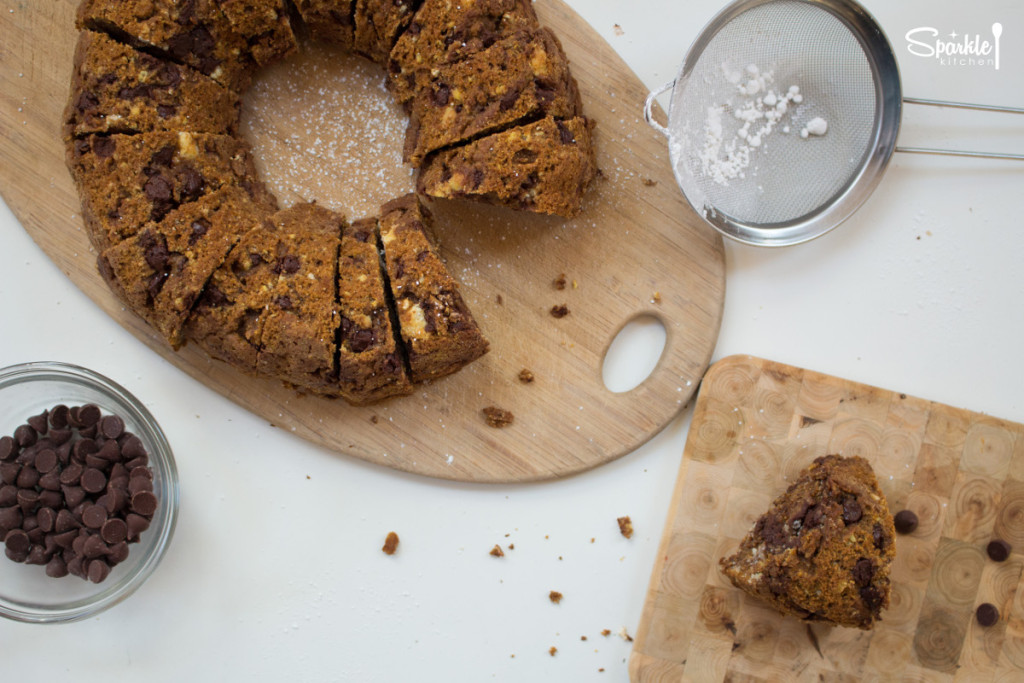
(297, 344)
(437, 328)
(520, 78)
(264, 25)
(370, 362)
(126, 181)
(118, 89)
(543, 167)
(823, 550)
(329, 20)
(161, 270)
(192, 32)
(445, 31)
(378, 23)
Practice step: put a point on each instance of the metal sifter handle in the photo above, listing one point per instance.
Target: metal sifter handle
(649, 108)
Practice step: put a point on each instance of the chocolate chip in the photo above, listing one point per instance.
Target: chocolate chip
(8, 448)
(93, 480)
(89, 414)
(39, 422)
(283, 302)
(199, 228)
(17, 541)
(440, 95)
(46, 460)
(987, 614)
(998, 550)
(192, 184)
(25, 436)
(111, 426)
(56, 568)
(94, 516)
(509, 99)
(863, 571)
(524, 156)
(144, 503)
(114, 531)
(871, 596)
(103, 147)
(166, 111)
(98, 571)
(361, 339)
(288, 263)
(905, 522)
(157, 188)
(851, 511)
(565, 134)
(59, 416)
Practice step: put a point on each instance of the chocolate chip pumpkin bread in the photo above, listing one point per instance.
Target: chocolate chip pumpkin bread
(437, 328)
(370, 362)
(297, 344)
(823, 550)
(126, 181)
(520, 78)
(192, 32)
(160, 271)
(118, 89)
(445, 31)
(543, 167)
(378, 23)
(264, 25)
(329, 20)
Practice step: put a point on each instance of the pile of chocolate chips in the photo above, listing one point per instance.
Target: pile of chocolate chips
(75, 490)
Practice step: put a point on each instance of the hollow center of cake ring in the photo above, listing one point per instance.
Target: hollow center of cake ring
(324, 127)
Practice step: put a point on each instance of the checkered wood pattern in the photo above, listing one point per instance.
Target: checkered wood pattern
(756, 424)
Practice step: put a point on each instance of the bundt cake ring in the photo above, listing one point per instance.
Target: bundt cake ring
(192, 241)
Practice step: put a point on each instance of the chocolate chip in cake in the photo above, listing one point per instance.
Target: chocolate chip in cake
(987, 614)
(852, 511)
(998, 550)
(905, 521)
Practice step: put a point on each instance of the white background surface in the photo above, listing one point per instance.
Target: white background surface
(275, 571)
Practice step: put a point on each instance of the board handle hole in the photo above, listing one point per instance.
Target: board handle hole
(633, 354)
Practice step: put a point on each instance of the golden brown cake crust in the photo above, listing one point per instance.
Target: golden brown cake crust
(118, 89)
(522, 77)
(160, 271)
(824, 549)
(193, 32)
(545, 167)
(265, 26)
(437, 328)
(444, 31)
(126, 181)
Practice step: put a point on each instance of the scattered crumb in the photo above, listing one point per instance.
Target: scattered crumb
(497, 551)
(618, 30)
(656, 298)
(650, 182)
(601, 670)
(559, 311)
(583, 637)
(624, 634)
(559, 282)
(575, 285)
(606, 632)
(497, 417)
(625, 526)
(525, 376)
(552, 650)
(374, 419)
(390, 543)
(592, 539)
(498, 300)
(555, 597)
(511, 546)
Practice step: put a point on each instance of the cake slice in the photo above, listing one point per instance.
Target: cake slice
(160, 271)
(520, 78)
(126, 181)
(543, 167)
(192, 32)
(329, 20)
(823, 550)
(264, 25)
(437, 328)
(118, 89)
(297, 344)
(378, 23)
(444, 31)
(370, 362)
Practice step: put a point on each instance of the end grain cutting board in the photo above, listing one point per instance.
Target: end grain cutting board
(756, 424)
(636, 249)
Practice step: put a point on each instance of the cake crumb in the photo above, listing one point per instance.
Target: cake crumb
(499, 300)
(618, 30)
(525, 376)
(552, 650)
(624, 634)
(559, 311)
(496, 551)
(625, 526)
(390, 543)
(374, 419)
(650, 182)
(559, 282)
(555, 597)
(656, 298)
(498, 417)
(606, 632)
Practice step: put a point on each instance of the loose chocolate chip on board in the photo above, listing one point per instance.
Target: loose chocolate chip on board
(998, 550)
(987, 614)
(905, 522)
(559, 311)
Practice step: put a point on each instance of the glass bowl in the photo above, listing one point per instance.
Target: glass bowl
(27, 593)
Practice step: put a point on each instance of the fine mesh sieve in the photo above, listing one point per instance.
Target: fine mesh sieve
(767, 173)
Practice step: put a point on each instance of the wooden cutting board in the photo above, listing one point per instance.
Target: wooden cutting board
(637, 249)
(756, 424)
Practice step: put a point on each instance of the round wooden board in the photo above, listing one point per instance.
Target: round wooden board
(636, 249)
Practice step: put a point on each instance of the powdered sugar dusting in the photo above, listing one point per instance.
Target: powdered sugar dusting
(323, 126)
